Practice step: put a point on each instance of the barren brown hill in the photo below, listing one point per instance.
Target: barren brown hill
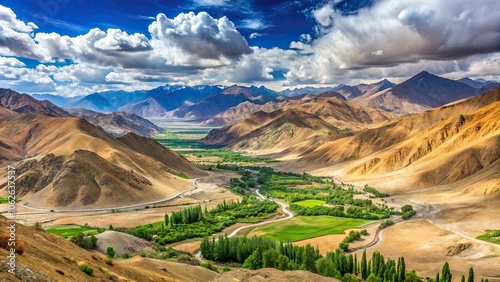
(280, 130)
(270, 274)
(326, 105)
(343, 114)
(439, 146)
(67, 162)
(422, 92)
(48, 257)
(23, 103)
(118, 123)
(239, 112)
(227, 134)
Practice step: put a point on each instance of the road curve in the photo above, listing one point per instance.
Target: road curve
(283, 206)
(121, 208)
(285, 210)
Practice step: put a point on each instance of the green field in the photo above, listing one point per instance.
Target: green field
(310, 203)
(226, 156)
(306, 227)
(6, 200)
(68, 231)
(492, 236)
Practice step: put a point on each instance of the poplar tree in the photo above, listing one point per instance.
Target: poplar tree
(471, 275)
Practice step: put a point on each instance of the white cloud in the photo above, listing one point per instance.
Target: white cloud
(189, 38)
(8, 19)
(11, 62)
(394, 34)
(324, 15)
(390, 39)
(211, 3)
(117, 40)
(255, 35)
(256, 24)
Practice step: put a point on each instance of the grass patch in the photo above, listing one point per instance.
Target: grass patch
(310, 203)
(6, 200)
(226, 156)
(306, 227)
(68, 231)
(492, 236)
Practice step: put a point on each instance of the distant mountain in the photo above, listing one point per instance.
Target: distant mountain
(118, 123)
(94, 102)
(121, 98)
(422, 92)
(476, 83)
(145, 108)
(57, 100)
(168, 98)
(351, 92)
(23, 103)
(230, 97)
(307, 90)
(330, 105)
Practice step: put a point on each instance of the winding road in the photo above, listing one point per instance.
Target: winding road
(283, 206)
(121, 208)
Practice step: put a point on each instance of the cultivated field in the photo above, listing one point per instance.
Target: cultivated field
(305, 227)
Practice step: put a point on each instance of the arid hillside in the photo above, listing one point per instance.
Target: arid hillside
(48, 257)
(68, 162)
(438, 146)
(330, 106)
(280, 130)
(118, 123)
(23, 103)
(335, 114)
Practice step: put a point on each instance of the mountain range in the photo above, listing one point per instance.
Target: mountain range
(222, 105)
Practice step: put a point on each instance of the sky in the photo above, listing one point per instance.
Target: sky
(76, 47)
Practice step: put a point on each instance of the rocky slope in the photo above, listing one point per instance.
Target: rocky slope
(49, 257)
(118, 123)
(68, 162)
(439, 146)
(23, 103)
(422, 92)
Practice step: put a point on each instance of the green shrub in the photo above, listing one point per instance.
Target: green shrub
(87, 269)
(210, 266)
(108, 261)
(226, 269)
(110, 252)
(385, 224)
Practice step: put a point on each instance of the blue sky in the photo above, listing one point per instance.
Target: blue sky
(72, 47)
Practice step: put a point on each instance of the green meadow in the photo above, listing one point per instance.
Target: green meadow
(306, 227)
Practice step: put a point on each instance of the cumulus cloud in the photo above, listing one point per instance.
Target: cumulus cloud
(8, 19)
(11, 62)
(199, 35)
(117, 40)
(324, 15)
(389, 39)
(398, 32)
